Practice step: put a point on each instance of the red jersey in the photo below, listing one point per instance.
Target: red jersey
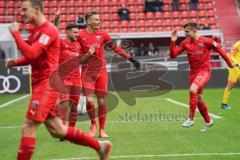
(198, 52)
(69, 51)
(100, 38)
(46, 36)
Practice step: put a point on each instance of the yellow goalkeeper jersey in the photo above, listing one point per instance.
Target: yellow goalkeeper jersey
(235, 53)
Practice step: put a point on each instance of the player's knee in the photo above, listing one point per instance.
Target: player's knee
(57, 133)
(230, 86)
(28, 130)
(192, 90)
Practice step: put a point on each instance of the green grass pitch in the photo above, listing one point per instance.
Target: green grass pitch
(137, 135)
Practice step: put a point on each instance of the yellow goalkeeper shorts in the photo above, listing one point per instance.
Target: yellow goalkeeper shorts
(233, 75)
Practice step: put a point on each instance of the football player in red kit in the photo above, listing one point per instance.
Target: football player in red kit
(198, 49)
(97, 83)
(42, 53)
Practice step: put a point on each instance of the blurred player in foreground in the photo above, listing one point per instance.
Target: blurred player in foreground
(42, 53)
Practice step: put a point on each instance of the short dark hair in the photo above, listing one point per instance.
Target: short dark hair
(192, 25)
(90, 14)
(71, 26)
(38, 3)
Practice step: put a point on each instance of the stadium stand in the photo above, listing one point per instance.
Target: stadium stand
(140, 22)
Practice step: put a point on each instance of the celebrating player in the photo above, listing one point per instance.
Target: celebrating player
(92, 81)
(198, 49)
(233, 74)
(42, 53)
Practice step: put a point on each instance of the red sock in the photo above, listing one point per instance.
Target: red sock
(91, 112)
(193, 104)
(204, 111)
(26, 148)
(73, 116)
(78, 137)
(102, 116)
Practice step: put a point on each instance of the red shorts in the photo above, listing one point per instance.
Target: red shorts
(43, 102)
(95, 85)
(74, 94)
(200, 79)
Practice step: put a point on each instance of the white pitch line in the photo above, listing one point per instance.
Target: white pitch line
(187, 106)
(13, 101)
(158, 155)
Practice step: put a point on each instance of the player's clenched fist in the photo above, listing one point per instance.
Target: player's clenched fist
(14, 27)
(10, 63)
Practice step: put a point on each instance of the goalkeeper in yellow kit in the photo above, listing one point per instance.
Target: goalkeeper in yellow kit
(233, 74)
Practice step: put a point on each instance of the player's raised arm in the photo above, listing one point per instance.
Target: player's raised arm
(30, 52)
(57, 18)
(175, 51)
(216, 47)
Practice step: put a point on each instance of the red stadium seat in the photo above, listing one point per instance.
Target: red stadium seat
(194, 20)
(176, 14)
(185, 14)
(54, 3)
(166, 8)
(80, 4)
(211, 13)
(167, 1)
(139, 2)
(141, 16)
(203, 20)
(132, 9)
(80, 10)
(131, 2)
(159, 22)
(168, 29)
(115, 16)
(72, 18)
(64, 17)
(141, 29)
(141, 23)
(158, 15)
(150, 23)
(167, 22)
(71, 3)
(177, 28)
(105, 10)
(149, 15)
(115, 24)
(114, 2)
(149, 29)
(140, 8)
(2, 11)
(167, 15)
(114, 9)
(176, 22)
(209, 6)
(183, 7)
(212, 21)
(193, 14)
(11, 11)
(87, 3)
(159, 29)
(107, 30)
(124, 30)
(63, 3)
(201, 6)
(71, 10)
(133, 29)
(132, 23)
(115, 30)
(124, 23)
(182, 1)
(96, 3)
(106, 24)
(132, 16)
(213, 26)
(202, 13)
(63, 10)
(184, 21)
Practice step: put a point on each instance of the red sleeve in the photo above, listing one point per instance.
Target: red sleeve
(22, 61)
(119, 51)
(175, 51)
(217, 48)
(107, 38)
(32, 52)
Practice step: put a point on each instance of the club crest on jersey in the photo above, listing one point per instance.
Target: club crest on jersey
(44, 39)
(99, 38)
(200, 45)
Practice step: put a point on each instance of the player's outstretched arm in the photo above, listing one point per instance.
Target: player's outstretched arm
(216, 47)
(175, 51)
(30, 52)
(22, 61)
(124, 54)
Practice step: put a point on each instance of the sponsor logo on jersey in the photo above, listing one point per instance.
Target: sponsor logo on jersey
(44, 39)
